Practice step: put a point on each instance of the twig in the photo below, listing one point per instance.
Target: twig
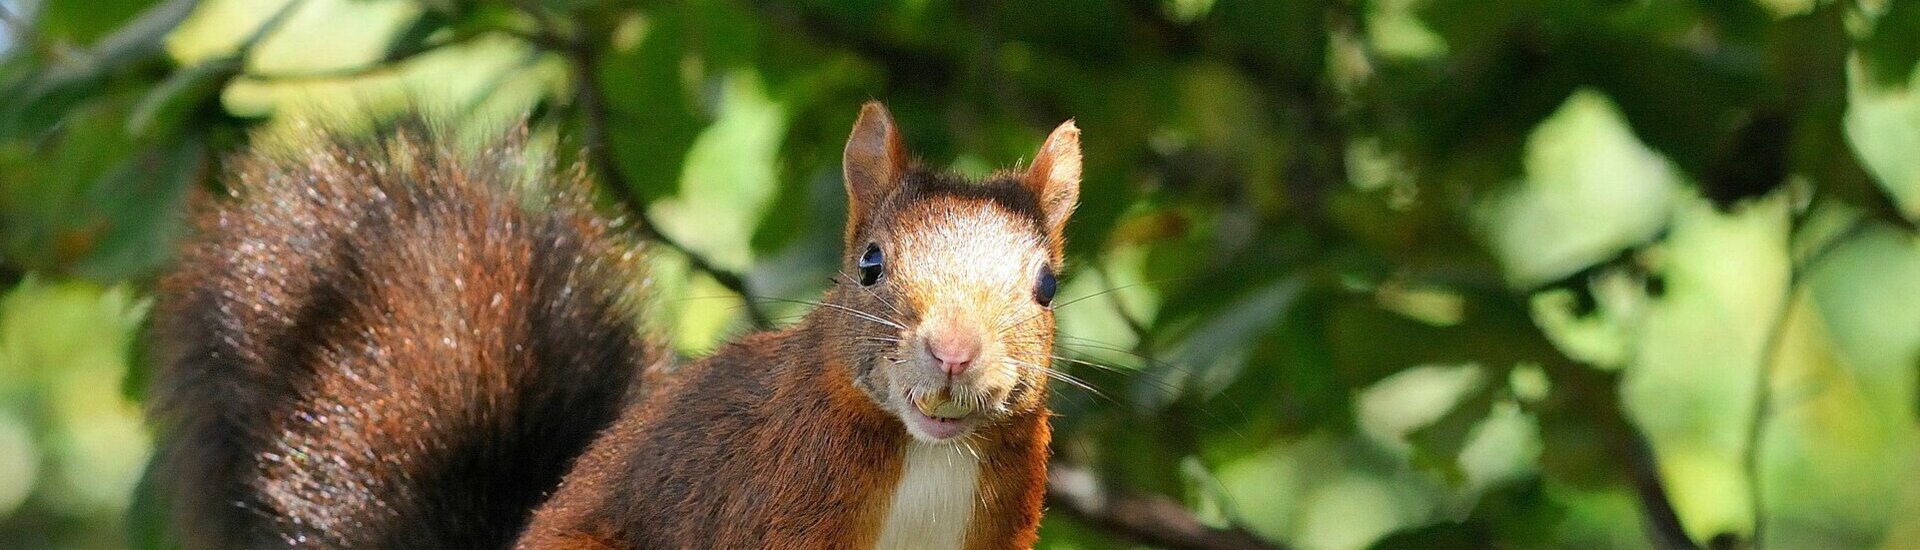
(1664, 529)
(1150, 519)
(388, 64)
(593, 114)
(22, 33)
(13, 22)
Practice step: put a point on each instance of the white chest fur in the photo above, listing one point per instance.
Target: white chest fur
(933, 504)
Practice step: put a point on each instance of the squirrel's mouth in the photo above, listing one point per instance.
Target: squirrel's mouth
(937, 416)
(936, 429)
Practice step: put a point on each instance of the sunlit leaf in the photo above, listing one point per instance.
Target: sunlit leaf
(1397, 406)
(66, 344)
(1694, 381)
(1503, 447)
(1591, 190)
(729, 177)
(1883, 125)
(1841, 437)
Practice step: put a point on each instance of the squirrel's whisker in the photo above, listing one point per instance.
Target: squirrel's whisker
(1056, 307)
(1104, 367)
(1076, 382)
(1129, 373)
(876, 296)
(855, 312)
(1063, 377)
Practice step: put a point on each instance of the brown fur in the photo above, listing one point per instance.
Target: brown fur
(381, 347)
(378, 345)
(778, 441)
(734, 453)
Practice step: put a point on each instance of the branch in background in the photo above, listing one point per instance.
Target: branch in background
(391, 63)
(15, 25)
(1150, 519)
(23, 33)
(13, 22)
(593, 114)
(1663, 525)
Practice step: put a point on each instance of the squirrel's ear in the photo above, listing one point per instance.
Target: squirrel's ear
(873, 162)
(1054, 177)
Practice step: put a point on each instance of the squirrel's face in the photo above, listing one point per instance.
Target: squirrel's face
(959, 290)
(948, 285)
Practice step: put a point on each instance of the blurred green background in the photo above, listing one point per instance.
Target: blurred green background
(1348, 273)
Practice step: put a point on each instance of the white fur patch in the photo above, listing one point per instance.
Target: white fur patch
(933, 504)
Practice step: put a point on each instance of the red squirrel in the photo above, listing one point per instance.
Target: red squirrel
(400, 346)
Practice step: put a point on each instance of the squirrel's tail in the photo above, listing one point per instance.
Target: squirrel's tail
(389, 344)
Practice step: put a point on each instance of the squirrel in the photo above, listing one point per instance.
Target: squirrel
(396, 345)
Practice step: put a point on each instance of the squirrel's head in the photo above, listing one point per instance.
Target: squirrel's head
(947, 285)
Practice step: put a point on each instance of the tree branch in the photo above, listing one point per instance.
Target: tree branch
(1664, 529)
(593, 114)
(1150, 519)
(23, 33)
(388, 64)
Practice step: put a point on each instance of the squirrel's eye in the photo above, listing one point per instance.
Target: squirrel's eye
(870, 265)
(1043, 290)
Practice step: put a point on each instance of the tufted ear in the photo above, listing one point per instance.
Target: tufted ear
(873, 163)
(1054, 177)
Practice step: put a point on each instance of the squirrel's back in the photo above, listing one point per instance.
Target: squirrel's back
(390, 344)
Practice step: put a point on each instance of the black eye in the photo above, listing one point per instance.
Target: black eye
(870, 265)
(1043, 290)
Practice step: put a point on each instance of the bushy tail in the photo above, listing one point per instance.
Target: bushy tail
(388, 344)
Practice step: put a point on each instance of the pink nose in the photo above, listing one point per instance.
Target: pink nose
(954, 349)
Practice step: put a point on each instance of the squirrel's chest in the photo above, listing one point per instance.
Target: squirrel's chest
(933, 503)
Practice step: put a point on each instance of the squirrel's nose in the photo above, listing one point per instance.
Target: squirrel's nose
(954, 349)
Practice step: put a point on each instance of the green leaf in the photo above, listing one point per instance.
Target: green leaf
(1892, 47)
(1883, 126)
(651, 117)
(1839, 440)
(65, 344)
(95, 202)
(1695, 376)
(1214, 353)
(730, 176)
(1591, 190)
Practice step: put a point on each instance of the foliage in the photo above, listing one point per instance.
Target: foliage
(1347, 273)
